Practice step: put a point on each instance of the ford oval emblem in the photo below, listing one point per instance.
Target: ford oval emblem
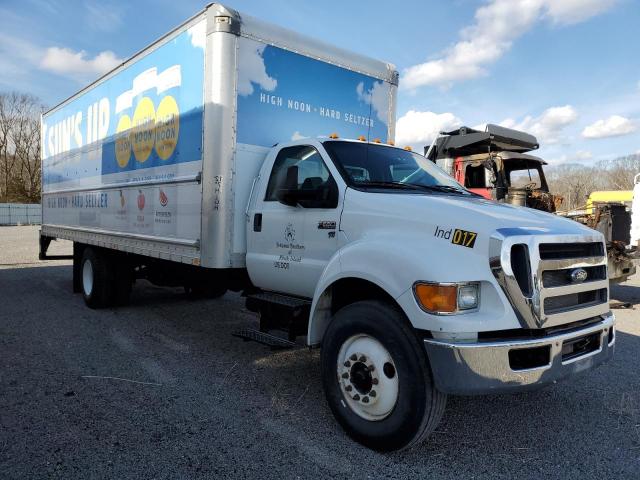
(578, 275)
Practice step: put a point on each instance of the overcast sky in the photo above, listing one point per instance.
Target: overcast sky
(567, 71)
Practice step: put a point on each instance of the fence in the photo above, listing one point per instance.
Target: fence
(20, 214)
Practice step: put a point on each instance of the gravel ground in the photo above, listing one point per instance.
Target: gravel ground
(160, 389)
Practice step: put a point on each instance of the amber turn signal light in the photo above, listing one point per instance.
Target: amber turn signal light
(437, 298)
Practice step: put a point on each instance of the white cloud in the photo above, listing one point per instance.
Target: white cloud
(579, 156)
(420, 128)
(253, 69)
(377, 97)
(575, 11)
(104, 16)
(614, 126)
(497, 25)
(67, 62)
(583, 155)
(548, 127)
(16, 56)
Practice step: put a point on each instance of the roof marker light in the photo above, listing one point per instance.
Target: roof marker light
(362, 138)
(408, 148)
(376, 140)
(334, 136)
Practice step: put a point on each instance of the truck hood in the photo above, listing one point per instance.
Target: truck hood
(404, 211)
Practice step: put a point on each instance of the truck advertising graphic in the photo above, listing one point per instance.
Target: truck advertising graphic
(286, 94)
(145, 124)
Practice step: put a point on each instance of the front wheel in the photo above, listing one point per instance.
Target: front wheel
(377, 379)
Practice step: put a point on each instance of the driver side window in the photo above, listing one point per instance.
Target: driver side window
(312, 172)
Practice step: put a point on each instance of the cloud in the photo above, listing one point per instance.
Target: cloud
(497, 25)
(614, 126)
(548, 127)
(583, 155)
(67, 62)
(253, 69)
(420, 128)
(16, 55)
(377, 97)
(569, 12)
(104, 16)
(579, 156)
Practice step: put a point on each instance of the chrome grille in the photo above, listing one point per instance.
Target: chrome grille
(543, 292)
(558, 278)
(571, 301)
(554, 251)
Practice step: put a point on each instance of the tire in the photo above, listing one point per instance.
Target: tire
(77, 267)
(96, 276)
(406, 407)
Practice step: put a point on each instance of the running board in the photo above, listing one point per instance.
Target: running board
(281, 312)
(276, 343)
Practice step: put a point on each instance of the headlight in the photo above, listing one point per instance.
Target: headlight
(468, 296)
(447, 298)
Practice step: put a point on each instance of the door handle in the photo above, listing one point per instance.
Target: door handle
(257, 222)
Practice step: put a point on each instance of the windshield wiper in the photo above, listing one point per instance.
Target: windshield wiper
(413, 186)
(389, 184)
(443, 188)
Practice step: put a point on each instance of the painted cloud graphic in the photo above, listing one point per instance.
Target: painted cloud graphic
(147, 80)
(253, 69)
(198, 34)
(377, 97)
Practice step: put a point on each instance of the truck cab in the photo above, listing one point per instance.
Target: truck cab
(493, 164)
(366, 234)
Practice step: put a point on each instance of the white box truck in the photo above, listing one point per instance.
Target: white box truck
(208, 160)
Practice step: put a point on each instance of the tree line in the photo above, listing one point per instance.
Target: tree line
(20, 176)
(575, 182)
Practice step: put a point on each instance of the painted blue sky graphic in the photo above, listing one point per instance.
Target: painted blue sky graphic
(181, 56)
(286, 96)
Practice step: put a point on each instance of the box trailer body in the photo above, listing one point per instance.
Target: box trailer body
(209, 160)
(158, 156)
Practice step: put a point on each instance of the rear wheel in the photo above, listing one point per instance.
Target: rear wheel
(96, 278)
(377, 379)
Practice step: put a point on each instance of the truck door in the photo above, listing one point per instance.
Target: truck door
(290, 244)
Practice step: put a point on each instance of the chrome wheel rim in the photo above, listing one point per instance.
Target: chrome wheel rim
(87, 277)
(368, 377)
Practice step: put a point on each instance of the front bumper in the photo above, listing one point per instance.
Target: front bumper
(488, 367)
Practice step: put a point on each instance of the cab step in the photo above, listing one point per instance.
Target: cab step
(280, 312)
(294, 303)
(273, 341)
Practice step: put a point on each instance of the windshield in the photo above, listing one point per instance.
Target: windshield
(381, 166)
(524, 176)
